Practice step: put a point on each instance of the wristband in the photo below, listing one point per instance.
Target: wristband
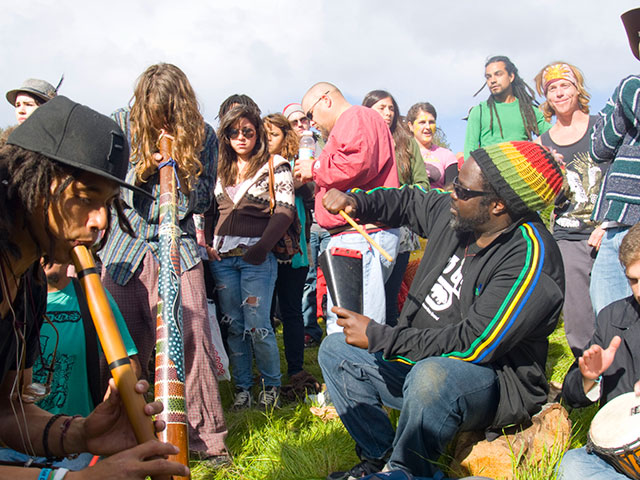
(60, 473)
(44, 474)
(45, 436)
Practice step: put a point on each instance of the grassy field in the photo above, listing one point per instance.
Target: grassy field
(292, 444)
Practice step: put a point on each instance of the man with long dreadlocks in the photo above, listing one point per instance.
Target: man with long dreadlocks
(60, 172)
(510, 113)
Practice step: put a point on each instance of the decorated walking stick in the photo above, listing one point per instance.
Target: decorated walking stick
(112, 344)
(170, 374)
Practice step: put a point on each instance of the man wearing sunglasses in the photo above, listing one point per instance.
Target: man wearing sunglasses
(359, 153)
(470, 347)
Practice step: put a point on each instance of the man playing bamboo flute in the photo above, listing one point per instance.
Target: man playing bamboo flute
(470, 347)
(60, 171)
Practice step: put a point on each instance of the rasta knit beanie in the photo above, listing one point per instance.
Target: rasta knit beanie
(524, 174)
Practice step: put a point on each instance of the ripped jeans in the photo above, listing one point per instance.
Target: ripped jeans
(245, 292)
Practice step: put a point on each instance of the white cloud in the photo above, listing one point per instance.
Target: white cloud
(275, 50)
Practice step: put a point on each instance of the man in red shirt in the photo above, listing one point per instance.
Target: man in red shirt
(359, 154)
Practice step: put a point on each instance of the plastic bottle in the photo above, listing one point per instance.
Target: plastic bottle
(307, 146)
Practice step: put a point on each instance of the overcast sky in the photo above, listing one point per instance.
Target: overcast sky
(274, 50)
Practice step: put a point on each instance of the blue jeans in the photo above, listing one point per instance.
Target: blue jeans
(437, 397)
(80, 462)
(608, 278)
(375, 272)
(317, 243)
(245, 292)
(577, 464)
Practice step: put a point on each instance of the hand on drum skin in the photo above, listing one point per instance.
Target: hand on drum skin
(107, 429)
(303, 170)
(595, 239)
(354, 326)
(147, 459)
(595, 360)
(334, 201)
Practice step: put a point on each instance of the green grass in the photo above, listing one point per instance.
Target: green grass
(292, 444)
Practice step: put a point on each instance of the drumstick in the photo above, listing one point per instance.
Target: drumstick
(364, 233)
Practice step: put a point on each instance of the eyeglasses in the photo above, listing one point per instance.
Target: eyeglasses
(310, 111)
(247, 133)
(299, 121)
(465, 193)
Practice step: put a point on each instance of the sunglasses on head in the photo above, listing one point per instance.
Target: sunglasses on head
(247, 133)
(466, 193)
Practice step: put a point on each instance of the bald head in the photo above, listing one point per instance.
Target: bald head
(324, 103)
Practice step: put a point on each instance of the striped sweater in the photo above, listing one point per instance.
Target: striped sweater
(616, 138)
(510, 297)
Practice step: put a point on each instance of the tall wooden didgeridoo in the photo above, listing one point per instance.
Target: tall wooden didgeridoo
(170, 374)
(112, 344)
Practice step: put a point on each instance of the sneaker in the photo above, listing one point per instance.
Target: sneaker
(242, 400)
(364, 468)
(309, 341)
(269, 398)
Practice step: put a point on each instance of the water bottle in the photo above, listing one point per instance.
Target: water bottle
(307, 146)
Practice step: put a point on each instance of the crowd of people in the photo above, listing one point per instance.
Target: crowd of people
(258, 201)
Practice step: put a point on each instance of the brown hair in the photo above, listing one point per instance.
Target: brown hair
(227, 158)
(163, 99)
(583, 96)
(289, 148)
(630, 247)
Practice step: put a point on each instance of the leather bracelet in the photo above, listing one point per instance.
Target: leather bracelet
(45, 436)
(63, 433)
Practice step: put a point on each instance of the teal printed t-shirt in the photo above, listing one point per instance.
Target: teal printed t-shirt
(69, 387)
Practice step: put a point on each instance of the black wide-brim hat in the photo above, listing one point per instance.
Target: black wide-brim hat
(77, 136)
(631, 22)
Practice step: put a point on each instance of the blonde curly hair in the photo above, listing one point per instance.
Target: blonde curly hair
(164, 100)
(583, 96)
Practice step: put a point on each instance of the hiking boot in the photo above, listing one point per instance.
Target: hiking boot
(269, 398)
(364, 468)
(242, 399)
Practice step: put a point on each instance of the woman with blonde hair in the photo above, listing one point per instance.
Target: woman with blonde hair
(562, 85)
(244, 268)
(164, 101)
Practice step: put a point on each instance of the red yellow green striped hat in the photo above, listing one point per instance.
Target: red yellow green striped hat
(524, 174)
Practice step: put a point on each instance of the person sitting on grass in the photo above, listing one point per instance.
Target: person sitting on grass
(610, 364)
(470, 347)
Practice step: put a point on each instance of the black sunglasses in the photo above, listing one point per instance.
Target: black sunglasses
(247, 133)
(309, 113)
(465, 193)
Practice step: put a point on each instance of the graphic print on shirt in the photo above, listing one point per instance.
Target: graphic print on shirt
(446, 290)
(63, 367)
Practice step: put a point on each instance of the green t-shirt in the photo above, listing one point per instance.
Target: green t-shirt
(480, 135)
(70, 392)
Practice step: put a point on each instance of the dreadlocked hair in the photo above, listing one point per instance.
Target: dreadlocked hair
(164, 99)
(523, 92)
(25, 192)
(401, 137)
(289, 146)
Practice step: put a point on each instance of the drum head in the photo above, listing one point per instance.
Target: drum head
(617, 423)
